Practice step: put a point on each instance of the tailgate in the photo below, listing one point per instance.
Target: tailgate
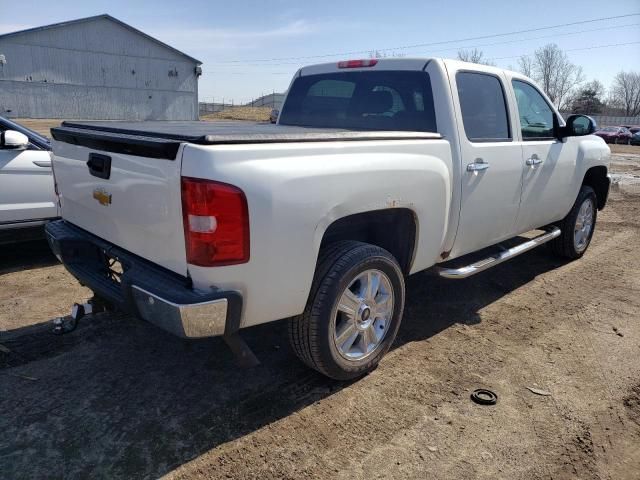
(123, 189)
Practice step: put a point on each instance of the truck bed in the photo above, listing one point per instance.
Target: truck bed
(213, 133)
(162, 139)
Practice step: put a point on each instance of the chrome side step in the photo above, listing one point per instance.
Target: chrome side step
(498, 258)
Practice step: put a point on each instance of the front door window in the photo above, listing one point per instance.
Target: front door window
(536, 116)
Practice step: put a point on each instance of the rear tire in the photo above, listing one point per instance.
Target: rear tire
(578, 226)
(353, 313)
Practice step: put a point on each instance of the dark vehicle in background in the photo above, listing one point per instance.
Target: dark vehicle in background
(614, 134)
(273, 116)
(635, 139)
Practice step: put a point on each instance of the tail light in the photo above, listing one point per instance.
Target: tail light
(358, 63)
(216, 223)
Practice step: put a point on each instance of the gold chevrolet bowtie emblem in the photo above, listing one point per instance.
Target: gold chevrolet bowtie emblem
(101, 196)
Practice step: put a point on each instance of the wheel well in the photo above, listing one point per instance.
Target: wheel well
(392, 229)
(596, 178)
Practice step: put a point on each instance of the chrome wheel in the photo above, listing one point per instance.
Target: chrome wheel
(363, 315)
(584, 225)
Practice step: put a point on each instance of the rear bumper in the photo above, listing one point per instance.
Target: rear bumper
(143, 288)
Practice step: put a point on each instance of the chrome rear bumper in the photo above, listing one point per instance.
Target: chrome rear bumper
(193, 320)
(143, 288)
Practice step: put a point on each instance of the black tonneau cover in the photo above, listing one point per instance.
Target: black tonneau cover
(162, 139)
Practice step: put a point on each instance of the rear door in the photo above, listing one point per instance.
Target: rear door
(131, 200)
(491, 160)
(26, 186)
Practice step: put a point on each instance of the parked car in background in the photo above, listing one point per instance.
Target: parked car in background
(273, 116)
(27, 197)
(635, 138)
(614, 134)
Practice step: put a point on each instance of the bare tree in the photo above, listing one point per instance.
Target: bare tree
(625, 92)
(385, 54)
(474, 56)
(525, 65)
(553, 70)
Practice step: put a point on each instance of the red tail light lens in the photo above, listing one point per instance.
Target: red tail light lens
(216, 223)
(358, 63)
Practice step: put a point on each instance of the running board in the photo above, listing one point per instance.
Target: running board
(497, 259)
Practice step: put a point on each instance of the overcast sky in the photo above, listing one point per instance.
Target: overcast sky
(232, 38)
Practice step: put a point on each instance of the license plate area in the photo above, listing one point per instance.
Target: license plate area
(113, 267)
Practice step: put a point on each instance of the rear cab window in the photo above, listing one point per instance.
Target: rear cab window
(380, 100)
(484, 107)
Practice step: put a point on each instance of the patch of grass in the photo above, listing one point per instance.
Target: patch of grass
(255, 114)
(41, 125)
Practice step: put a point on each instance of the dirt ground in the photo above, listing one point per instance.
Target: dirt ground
(255, 114)
(119, 398)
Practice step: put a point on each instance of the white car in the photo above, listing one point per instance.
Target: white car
(377, 169)
(27, 197)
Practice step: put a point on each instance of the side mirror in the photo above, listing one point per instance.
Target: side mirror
(579, 125)
(12, 140)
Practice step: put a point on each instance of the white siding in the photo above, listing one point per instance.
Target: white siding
(97, 69)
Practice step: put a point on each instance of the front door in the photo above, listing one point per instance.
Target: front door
(549, 164)
(491, 162)
(26, 186)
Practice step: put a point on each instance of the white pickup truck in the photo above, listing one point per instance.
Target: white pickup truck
(27, 199)
(377, 169)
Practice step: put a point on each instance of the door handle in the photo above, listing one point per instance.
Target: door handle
(99, 165)
(477, 166)
(42, 163)
(534, 160)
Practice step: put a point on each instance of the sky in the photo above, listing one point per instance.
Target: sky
(250, 48)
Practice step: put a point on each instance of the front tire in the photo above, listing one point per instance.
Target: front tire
(353, 313)
(578, 226)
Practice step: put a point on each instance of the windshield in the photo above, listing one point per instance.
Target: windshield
(610, 129)
(382, 100)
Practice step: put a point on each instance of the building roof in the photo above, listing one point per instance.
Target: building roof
(97, 17)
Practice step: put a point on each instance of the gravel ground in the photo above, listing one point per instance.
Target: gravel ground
(119, 398)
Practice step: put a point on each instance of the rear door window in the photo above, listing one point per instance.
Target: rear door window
(483, 105)
(380, 100)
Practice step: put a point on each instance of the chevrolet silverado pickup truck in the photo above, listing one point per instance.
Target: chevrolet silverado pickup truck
(376, 169)
(27, 198)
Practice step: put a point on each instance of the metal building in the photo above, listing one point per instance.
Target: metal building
(95, 68)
